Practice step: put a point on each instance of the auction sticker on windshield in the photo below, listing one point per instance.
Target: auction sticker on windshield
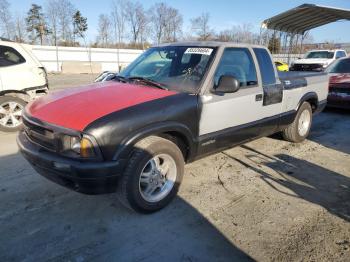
(199, 51)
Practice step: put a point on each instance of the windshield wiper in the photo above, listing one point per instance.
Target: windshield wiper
(119, 78)
(148, 82)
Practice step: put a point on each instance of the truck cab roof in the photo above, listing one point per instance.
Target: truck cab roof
(210, 44)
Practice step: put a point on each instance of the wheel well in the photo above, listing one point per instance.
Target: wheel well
(180, 140)
(313, 102)
(15, 93)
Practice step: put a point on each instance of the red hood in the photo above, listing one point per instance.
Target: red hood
(78, 107)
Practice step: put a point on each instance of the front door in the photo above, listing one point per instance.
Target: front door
(231, 118)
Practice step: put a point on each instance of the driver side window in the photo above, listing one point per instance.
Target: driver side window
(237, 62)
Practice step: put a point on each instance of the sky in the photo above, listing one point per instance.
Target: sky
(223, 13)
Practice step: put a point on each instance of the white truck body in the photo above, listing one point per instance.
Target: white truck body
(317, 60)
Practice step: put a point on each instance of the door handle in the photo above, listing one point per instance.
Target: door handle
(258, 97)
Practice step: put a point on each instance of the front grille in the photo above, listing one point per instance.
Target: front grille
(40, 135)
(307, 67)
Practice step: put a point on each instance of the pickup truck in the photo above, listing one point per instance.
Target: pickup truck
(317, 60)
(174, 104)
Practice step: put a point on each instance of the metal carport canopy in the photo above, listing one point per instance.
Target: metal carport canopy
(305, 17)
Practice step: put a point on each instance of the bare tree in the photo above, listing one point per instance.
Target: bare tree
(52, 10)
(200, 25)
(135, 15)
(6, 22)
(20, 29)
(239, 34)
(243, 33)
(159, 20)
(119, 19)
(166, 22)
(104, 25)
(174, 25)
(143, 22)
(66, 12)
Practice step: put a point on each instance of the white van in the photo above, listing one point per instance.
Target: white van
(22, 79)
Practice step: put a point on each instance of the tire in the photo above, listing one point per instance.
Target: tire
(300, 128)
(11, 109)
(136, 182)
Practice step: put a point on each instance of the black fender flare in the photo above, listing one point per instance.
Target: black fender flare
(125, 148)
(309, 96)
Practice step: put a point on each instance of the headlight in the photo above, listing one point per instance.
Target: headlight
(325, 65)
(79, 146)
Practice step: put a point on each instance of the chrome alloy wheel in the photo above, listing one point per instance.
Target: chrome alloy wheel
(157, 178)
(11, 114)
(304, 123)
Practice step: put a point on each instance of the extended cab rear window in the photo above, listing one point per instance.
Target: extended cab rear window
(9, 56)
(267, 69)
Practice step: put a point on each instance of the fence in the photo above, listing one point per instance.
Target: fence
(96, 60)
(83, 60)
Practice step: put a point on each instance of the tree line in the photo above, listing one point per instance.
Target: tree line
(127, 25)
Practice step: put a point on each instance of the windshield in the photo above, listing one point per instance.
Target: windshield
(339, 66)
(320, 54)
(178, 68)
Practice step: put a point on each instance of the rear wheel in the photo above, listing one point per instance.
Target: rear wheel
(300, 128)
(152, 176)
(11, 109)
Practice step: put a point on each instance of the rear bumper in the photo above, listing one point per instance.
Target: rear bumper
(37, 91)
(85, 177)
(338, 101)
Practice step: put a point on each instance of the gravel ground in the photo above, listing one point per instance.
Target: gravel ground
(268, 200)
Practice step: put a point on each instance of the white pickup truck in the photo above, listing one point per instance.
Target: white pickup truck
(317, 60)
(22, 79)
(174, 104)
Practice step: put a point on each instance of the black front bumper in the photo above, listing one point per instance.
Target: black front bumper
(82, 176)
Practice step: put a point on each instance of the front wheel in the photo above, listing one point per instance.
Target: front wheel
(152, 176)
(11, 109)
(300, 128)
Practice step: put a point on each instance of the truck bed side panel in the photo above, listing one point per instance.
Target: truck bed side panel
(298, 86)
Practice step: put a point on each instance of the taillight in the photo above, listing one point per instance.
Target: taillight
(331, 80)
(42, 72)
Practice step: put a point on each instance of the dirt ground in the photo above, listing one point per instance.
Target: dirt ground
(268, 200)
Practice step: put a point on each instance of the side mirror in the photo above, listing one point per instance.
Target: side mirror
(227, 84)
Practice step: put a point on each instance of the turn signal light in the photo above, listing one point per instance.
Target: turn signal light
(86, 148)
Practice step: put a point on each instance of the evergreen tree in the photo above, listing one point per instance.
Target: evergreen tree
(36, 23)
(79, 25)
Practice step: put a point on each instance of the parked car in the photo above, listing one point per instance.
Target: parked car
(22, 79)
(317, 60)
(174, 104)
(105, 76)
(281, 66)
(339, 84)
